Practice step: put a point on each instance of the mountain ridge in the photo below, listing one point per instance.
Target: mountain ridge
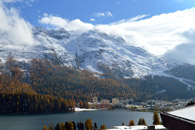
(93, 50)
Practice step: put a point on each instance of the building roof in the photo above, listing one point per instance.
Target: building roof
(159, 127)
(139, 127)
(182, 119)
(187, 113)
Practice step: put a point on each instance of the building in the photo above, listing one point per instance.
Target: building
(126, 101)
(95, 100)
(134, 107)
(115, 101)
(151, 104)
(181, 119)
(105, 103)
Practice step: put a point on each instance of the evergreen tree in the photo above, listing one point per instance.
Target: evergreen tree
(78, 126)
(74, 125)
(66, 125)
(190, 103)
(95, 126)
(57, 127)
(70, 125)
(81, 104)
(51, 127)
(131, 123)
(139, 122)
(44, 127)
(123, 123)
(143, 122)
(103, 127)
(88, 124)
(156, 119)
(62, 126)
(82, 126)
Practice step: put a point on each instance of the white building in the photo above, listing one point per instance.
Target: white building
(95, 100)
(115, 101)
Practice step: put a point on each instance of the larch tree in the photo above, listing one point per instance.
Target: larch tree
(131, 123)
(88, 124)
(103, 127)
(44, 127)
(156, 119)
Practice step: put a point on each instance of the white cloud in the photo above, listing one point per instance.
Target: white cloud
(184, 52)
(14, 27)
(11, 1)
(26, 2)
(92, 19)
(63, 23)
(100, 14)
(106, 14)
(78, 25)
(53, 20)
(137, 18)
(158, 34)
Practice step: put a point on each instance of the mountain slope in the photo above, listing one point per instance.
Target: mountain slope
(93, 50)
(96, 51)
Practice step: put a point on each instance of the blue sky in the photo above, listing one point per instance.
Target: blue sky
(87, 10)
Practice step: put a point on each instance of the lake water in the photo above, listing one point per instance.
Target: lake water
(36, 122)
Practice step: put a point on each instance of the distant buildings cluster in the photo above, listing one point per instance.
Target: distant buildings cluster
(130, 104)
(104, 103)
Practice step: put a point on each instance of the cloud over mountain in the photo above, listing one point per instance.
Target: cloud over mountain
(184, 52)
(75, 25)
(15, 28)
(157, 34)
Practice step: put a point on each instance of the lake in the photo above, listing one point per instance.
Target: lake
(36, 122)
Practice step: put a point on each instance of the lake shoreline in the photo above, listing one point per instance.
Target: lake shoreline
(78, 110)
(37, 121)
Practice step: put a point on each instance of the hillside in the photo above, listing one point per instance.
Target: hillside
(48, 78)
(69, 65)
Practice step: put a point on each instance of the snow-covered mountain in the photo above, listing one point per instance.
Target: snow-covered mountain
(93, 50)
(96, 51)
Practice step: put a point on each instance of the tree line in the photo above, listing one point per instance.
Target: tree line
(22, 103)
(71, 125)
(88, 125)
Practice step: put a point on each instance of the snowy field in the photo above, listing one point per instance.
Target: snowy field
(84, 109)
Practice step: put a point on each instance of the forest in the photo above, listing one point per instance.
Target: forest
(45, 86)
